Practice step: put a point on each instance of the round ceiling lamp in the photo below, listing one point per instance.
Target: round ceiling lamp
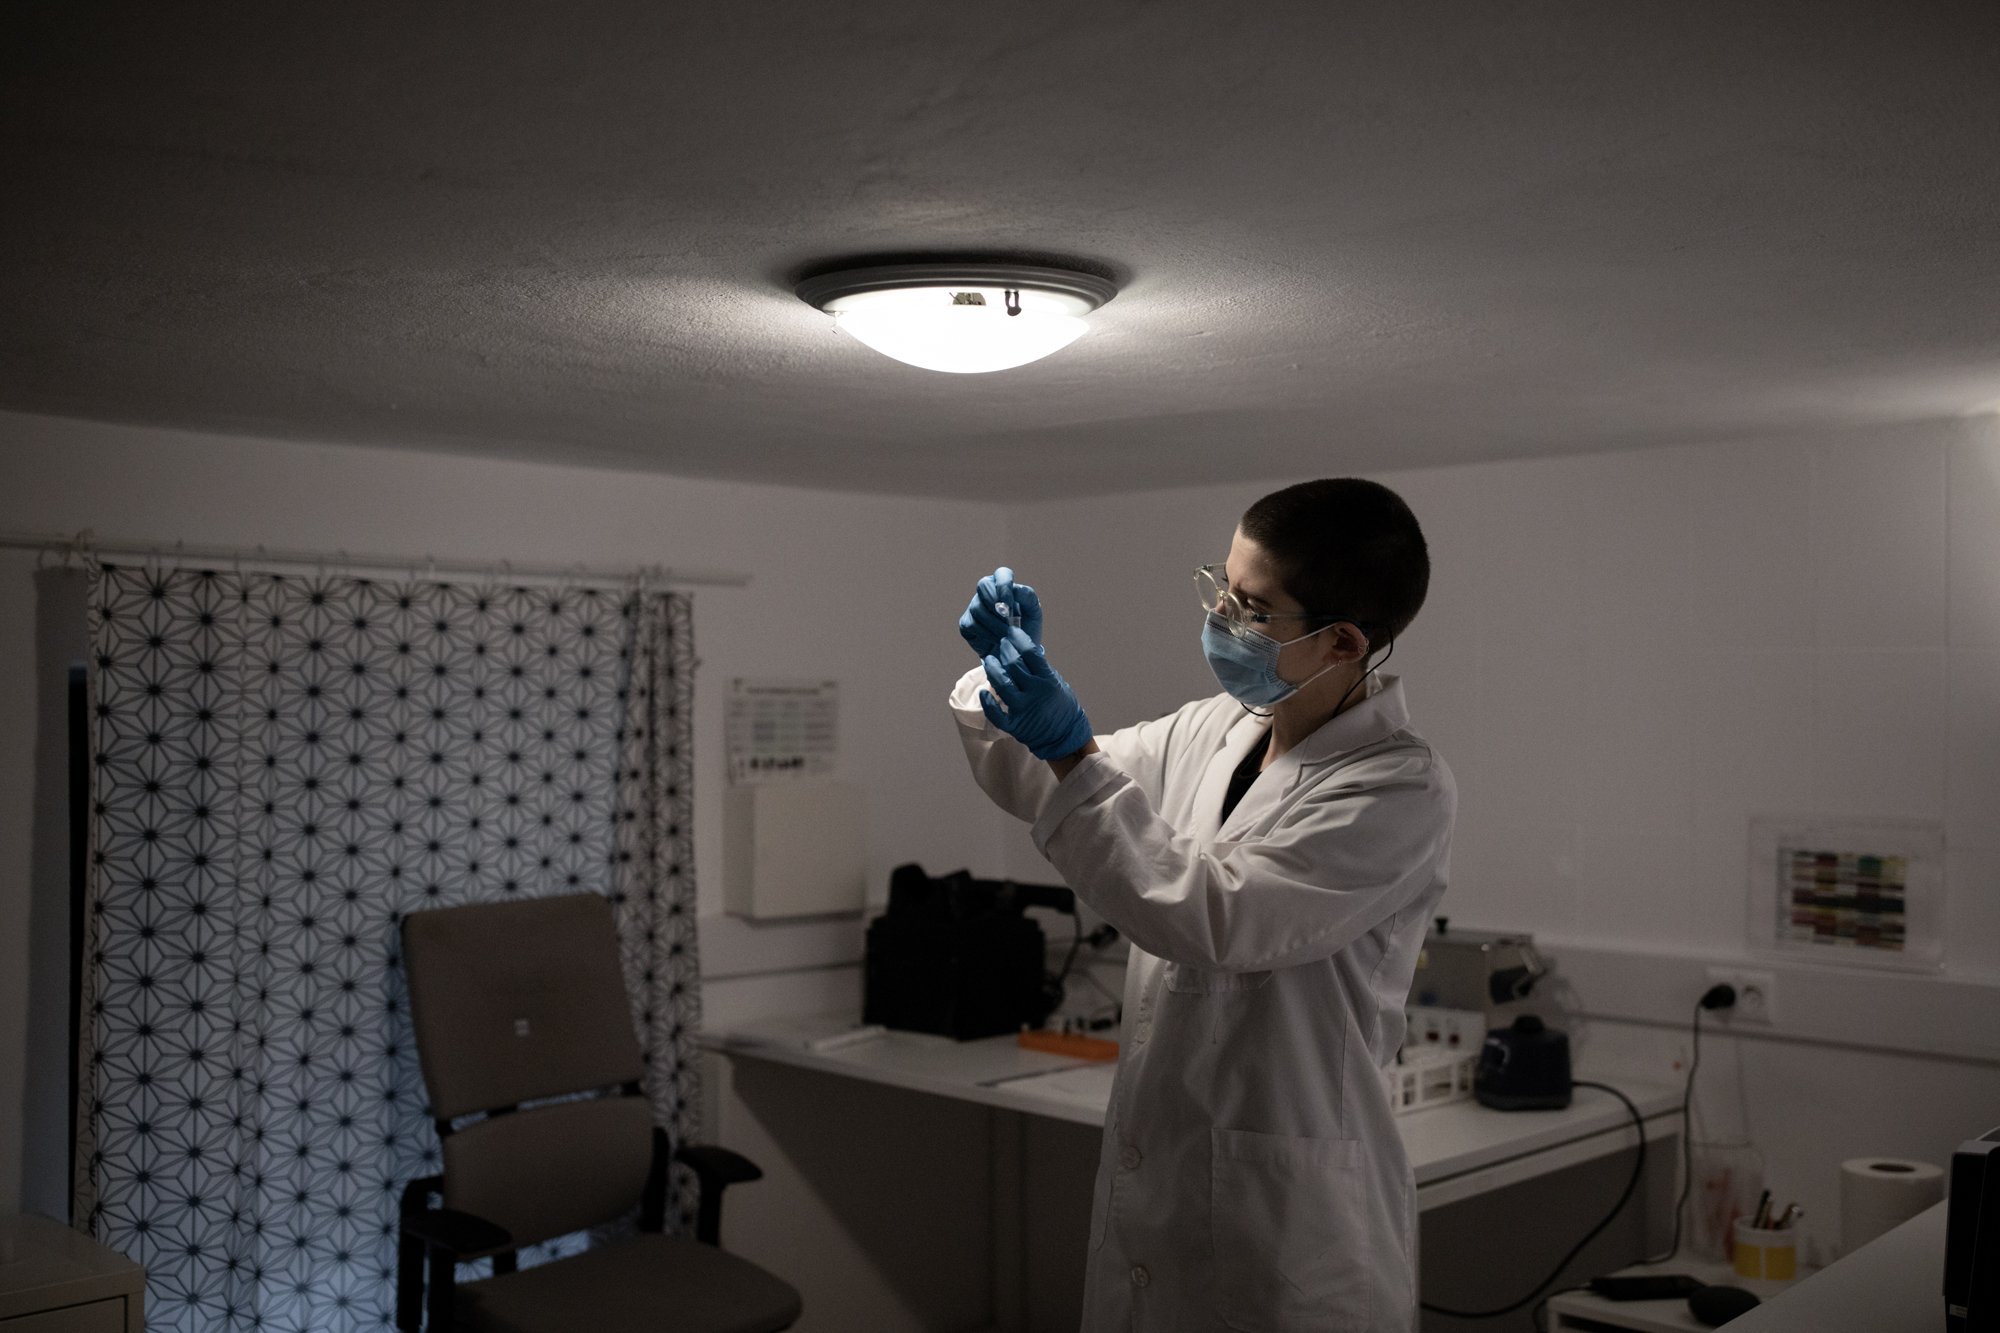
(963, 318)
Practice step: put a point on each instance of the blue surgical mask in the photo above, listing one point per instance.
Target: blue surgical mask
(1246, 662)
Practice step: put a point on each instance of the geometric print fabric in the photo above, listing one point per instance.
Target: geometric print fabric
(282, 768)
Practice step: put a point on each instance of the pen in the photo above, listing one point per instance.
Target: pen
(1763, 1203)
(1792, 1213)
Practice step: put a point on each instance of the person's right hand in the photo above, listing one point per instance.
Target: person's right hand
(984, 625)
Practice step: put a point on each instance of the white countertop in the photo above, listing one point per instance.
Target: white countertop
(1444, 1143)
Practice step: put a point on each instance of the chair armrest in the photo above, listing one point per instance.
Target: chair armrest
(716, 1169)
(461, 1235)
(437, 1239)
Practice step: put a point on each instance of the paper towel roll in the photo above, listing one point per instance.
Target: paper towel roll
(1879, 1194)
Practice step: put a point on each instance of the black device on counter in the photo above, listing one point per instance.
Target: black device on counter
(959, 956)
(1972, 1238)
(1646, 1287)
(1712, 1307)
(1523, 1068)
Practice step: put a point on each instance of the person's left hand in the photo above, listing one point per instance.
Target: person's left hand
(983, 625)
(1041, 710)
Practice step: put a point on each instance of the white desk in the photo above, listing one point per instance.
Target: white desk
(1457, 1151)
(1572, 1311)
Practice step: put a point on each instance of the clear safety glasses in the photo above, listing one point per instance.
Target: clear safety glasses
(1211, 584)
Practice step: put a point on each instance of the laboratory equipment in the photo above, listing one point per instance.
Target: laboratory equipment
(1492, 973)
(959, 956)
(1523, 1068)
(1972, 1238)
(1645, 1286)
(1716, 1306)
(1426, 1076)
(1439, 1056)
(1078, 1044)
(1452, 1029)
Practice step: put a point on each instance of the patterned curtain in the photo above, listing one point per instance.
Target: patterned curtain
(284, 766)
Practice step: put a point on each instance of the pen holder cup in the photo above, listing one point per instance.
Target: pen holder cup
(1766, 1253)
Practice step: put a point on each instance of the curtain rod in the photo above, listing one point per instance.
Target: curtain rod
(85, 544)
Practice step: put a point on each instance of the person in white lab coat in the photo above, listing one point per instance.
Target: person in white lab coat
(1273, 854)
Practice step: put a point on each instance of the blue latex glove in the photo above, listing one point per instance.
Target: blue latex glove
(984, 626)
(1041, 710)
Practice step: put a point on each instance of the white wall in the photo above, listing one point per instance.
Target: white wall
(858, 588)
(1626, 656)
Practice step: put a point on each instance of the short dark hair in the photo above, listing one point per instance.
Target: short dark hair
(1348, 548)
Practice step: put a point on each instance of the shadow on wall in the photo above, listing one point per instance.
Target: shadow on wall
(62, 642)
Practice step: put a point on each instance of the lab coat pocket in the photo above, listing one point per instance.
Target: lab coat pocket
(1290, 1233)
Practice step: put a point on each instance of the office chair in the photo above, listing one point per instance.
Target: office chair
(515, 1004)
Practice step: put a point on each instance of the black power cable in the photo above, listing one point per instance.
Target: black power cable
(1716, 997)
(1638, 1169)
(1055, 985)
(1721, 996)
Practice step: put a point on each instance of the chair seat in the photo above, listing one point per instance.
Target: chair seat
(670, 1283)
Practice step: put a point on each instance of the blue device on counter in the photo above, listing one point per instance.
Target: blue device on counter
(1523, 1068)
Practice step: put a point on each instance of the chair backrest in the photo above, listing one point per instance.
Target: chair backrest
(519, 1002)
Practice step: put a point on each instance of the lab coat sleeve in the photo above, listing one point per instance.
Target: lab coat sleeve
(1021, 784)
(1351, 853)
(1018, 782)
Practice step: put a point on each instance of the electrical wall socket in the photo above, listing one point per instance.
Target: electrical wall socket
(1756, 996)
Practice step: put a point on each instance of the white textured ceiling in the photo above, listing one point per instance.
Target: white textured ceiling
(1350, 235)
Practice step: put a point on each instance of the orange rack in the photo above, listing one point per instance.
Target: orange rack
(1070, 1043)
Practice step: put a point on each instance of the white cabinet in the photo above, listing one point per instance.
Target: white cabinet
(54, 1279)
(794, 848)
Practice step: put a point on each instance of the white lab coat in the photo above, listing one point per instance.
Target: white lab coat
(1252, 1176)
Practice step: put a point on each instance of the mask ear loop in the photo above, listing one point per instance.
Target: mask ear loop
(1364, 677)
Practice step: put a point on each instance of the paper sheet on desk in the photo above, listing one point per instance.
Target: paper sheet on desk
(794, 1033)
(1086, 1085)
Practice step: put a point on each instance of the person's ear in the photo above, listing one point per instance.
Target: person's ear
(1349, 644)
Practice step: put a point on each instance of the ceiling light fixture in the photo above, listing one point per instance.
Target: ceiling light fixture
(964, 318)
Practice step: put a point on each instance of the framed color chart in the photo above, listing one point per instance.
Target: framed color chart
(1849, 891)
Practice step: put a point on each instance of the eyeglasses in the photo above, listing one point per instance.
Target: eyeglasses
(1211, 584)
